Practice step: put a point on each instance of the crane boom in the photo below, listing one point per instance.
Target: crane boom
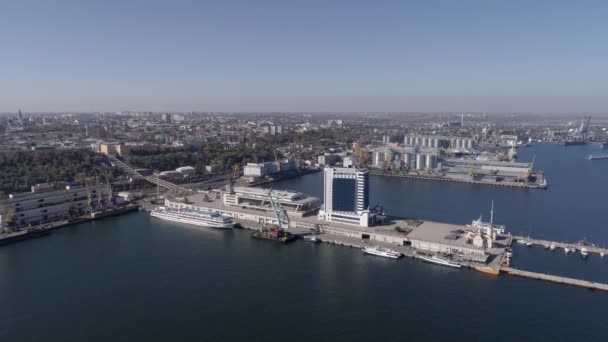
(279, 212)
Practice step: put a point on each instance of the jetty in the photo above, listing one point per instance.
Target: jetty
(556, 279)
(572, 246)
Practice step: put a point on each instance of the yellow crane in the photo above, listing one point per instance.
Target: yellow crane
(361, 152)
(276, 160)
(89, 197)
(109, 185)
(9, 217)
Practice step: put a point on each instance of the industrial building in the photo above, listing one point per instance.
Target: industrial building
(45, 204)
(408, 158)
(436, 141)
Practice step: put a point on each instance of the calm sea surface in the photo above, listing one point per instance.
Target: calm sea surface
(132, 278)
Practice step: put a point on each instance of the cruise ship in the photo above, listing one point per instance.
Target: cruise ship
(382, 252)
(195, 217)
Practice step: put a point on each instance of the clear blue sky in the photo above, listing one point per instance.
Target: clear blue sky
(287, 55)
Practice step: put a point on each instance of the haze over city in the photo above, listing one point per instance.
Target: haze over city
(350, 56)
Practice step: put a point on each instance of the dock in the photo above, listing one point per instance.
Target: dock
(556, 279)
(562, 245)
(446, 178)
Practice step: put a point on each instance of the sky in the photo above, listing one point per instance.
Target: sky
(291, 55)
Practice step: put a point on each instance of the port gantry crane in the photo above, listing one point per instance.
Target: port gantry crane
(279, 212)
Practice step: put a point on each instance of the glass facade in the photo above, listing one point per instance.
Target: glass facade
(344, 194)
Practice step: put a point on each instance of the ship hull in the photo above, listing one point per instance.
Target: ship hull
(191, 221)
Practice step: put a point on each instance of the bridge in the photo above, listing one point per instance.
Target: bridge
(131, 172)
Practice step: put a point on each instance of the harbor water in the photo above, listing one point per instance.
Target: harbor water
(134, 278)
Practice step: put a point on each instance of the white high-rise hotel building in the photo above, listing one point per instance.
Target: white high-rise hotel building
(346, 196)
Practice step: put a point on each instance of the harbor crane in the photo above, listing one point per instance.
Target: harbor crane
(279, 212)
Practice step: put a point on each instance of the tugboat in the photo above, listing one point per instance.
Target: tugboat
(487, 270)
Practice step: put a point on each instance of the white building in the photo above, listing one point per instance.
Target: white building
(45, 206)
(346, 196)
(186, 170)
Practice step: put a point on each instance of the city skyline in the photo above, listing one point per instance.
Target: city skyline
(304, 57)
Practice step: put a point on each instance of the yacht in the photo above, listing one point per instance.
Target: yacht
(196, 217)
(382, 252)
(438, 260)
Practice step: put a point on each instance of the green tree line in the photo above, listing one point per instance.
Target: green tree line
(22, 169)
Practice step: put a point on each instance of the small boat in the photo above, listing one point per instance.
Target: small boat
(529, 244)
(602, 254)
(552, 247)
(522, 241)
(382, 252)
(546, 246)
(438, 260)
(312, 238)
(566, 250)
(487, 270)
(509, 254)
(584, 252)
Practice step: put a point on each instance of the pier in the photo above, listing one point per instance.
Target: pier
(556, 279)
(571, 246)
(446, 178)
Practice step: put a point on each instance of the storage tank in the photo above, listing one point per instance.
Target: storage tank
(378, 159)
(431, 162)
(407, 159)
(420, 161)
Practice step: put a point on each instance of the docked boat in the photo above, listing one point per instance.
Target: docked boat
(487, 270)
(584, 252)
(312, 239)
(195, 217)
(552, 247)
(382, 252)
(529, 244)
(566, 250)
(274, 234)
(438, 260)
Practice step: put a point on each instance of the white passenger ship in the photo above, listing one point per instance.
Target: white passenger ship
(438, 260)
(383, 252)
(195, 217)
